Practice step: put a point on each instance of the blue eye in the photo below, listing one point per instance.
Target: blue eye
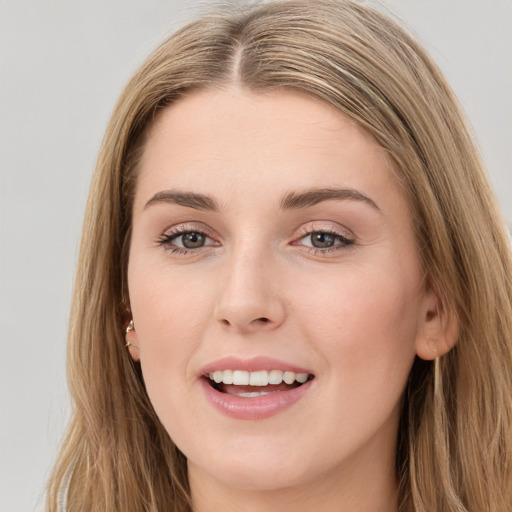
(325, 241)
(322, 240)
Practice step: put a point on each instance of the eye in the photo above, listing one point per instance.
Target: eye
(184, 240)
(325, 241)
(321, 240)
(190, 240)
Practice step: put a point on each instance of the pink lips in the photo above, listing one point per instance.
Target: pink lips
(252, 408)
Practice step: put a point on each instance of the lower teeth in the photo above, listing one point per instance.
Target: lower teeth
(252, 394)
(246, 391)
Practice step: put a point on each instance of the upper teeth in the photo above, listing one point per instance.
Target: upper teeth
(259, 378)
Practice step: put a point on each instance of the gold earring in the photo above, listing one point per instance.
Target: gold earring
(129, 336)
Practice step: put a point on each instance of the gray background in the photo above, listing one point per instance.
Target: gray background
(62, 65)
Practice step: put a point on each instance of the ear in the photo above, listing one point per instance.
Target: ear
(438, 328)
(132, 342)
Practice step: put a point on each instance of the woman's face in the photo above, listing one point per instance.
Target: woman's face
(271, 241)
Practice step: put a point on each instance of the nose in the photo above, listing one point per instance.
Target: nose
(250, 299)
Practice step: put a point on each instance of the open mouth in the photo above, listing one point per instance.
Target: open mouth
(247, 384)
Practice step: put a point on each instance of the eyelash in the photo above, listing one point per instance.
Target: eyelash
(343, 241)
(167, 239)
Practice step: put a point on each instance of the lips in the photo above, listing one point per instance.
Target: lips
(255, 388)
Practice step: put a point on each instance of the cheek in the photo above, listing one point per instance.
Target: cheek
(364, 327)
(365, 321)
(170, 314)
(166, 305)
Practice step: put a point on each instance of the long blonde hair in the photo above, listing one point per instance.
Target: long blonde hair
(455, 436)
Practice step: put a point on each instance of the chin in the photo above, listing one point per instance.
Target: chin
(261, 476)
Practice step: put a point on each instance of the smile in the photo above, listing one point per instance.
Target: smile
(247, 384)
(257, 394)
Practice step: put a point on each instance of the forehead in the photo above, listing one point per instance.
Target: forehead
(235, 141)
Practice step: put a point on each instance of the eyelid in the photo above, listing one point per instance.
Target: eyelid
(346, 236)
(166, 238)
(316, 226)
(187, 227)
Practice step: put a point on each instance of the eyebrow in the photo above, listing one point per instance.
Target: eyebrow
(311, 197)
(290, 201)
(188, 199)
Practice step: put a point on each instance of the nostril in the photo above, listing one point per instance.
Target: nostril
(243, 324)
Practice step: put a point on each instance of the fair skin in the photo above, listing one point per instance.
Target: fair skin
(328, 284)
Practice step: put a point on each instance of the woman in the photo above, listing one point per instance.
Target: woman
(291, 222)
